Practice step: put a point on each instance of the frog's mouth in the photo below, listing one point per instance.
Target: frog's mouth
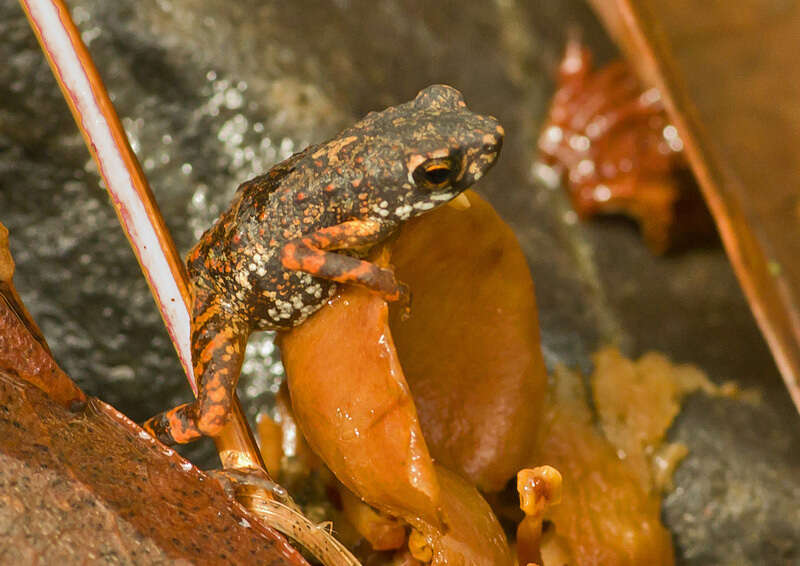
(461, 202)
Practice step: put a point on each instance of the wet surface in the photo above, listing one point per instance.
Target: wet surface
(88, 486)
(213, 92)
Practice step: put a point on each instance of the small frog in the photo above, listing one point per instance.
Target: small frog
(275, 256)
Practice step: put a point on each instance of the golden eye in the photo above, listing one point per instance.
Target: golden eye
(434, 174)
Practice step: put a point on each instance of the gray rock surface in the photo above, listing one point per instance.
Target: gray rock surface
(212, 92)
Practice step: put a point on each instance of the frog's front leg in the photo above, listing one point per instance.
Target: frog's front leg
(310, 254)
(218, 342)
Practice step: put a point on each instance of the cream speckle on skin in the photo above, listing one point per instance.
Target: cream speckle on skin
(403, 211)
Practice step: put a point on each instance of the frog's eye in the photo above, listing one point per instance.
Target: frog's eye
(434, 174)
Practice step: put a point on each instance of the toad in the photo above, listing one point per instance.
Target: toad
(293, 234)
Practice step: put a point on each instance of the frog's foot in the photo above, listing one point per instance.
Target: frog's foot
(176, 426)
(218, 342)
(403, 299)
(248, 483)
(400, 294)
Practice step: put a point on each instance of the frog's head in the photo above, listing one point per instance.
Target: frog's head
(456, 147)
(427, 151)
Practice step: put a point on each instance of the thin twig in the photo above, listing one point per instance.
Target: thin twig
(133, 201)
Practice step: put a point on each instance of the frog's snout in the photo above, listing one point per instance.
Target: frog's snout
(482, 156)
(493, 142)
(499, 132)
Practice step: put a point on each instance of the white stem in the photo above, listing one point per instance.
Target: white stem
(108, 143)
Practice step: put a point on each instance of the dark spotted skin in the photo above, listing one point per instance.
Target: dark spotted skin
(291, 235)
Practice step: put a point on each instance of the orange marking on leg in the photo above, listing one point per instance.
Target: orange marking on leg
(363, 268)
(357, 273)
(216, 344)
(199, 369)
(313, 263)
(209, 311)
(211, 426)
(289, 257)
(177, 426)
(217, 395)
(316, 242)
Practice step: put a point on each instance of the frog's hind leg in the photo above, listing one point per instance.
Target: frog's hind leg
(218, 343)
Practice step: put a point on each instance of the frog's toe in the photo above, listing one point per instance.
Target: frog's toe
(175, 426)
(158, 427)
(399, 294)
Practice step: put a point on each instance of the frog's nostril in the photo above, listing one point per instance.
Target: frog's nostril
(493, 146)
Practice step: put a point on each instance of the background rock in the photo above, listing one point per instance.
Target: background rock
(212, 92)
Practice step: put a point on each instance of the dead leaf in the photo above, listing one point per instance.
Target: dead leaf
(470, 350)
(606, 516)
(110, 490)
(353, 406)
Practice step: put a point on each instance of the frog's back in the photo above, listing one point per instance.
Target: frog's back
(238, 257)
(209, 261)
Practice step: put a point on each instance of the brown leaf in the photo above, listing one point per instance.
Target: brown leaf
(472, 534)
(23, 349)
(24, 356)
(353, 405)
(77, 486)
(729, 80)
(470, 350)
(606, 516)
(6, 261)
(472, 345)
